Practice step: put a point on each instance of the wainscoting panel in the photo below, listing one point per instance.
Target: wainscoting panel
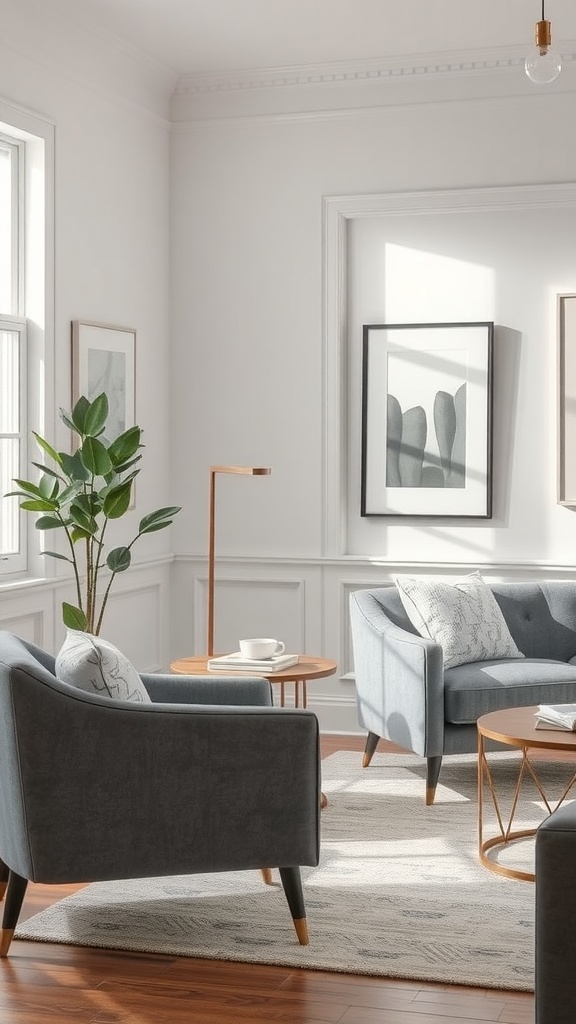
(137, 618)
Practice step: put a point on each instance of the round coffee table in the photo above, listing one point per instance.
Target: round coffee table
(308, 667)
(515, 727)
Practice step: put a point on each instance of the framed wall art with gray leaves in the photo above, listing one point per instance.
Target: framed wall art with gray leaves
(427, 420)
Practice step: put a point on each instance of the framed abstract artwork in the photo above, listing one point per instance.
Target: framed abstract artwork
(566, 399)
(427, 420)
(104, 359)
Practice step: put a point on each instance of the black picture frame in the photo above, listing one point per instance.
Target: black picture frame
(427, 420)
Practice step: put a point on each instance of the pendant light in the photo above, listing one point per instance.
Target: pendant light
(543, 64)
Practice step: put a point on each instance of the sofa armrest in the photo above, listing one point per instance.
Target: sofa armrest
(180, 689)
(399, 679)
(555, 988)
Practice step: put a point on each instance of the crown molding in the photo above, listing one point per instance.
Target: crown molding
(470, 62)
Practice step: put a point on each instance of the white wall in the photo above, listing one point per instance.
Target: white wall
(213, 248)
(110, 258)
(252, 369)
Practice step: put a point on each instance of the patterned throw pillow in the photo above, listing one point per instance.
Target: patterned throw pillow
(94, 665)
(462, 615)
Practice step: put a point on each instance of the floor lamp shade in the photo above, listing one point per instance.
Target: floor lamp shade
(241, 471)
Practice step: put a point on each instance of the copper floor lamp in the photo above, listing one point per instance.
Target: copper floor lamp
(244, 471)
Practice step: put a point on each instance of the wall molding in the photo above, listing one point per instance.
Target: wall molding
(440, 64)
(379, 566)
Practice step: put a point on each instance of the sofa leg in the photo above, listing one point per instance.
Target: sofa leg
(371, 744)
(14, 897)
(292, 883)
(433, 765)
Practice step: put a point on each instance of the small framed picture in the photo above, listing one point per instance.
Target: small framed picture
(104, 359)
(567, 400)
(427, 420)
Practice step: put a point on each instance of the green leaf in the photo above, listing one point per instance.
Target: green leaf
(77, 534)
(156, 526)
(43, 443)
(48, 487)
(79, 414)
(73, 617)
(65, 417)
(38, 505)
(47, 471)
(96, 416)
(125, 446)
(150, 523)
(48, 523)
(128, 465)
(119, 559)
(95, 457)
(117, 501)
(82, 521)
(56, 554)
(74, 468)
(29, 487)
(69, 494)
(90, 503)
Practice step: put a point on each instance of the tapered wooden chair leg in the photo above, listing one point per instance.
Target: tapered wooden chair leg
(370, 747)
(267, 876)
(292, 883)
(14, 897)
(433, 765)
(4, 872)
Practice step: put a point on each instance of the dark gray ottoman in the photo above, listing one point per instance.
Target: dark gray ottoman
(556, 918)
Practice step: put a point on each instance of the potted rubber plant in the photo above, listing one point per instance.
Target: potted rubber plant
(79, 494)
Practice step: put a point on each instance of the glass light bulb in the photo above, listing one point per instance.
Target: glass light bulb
(543, 66)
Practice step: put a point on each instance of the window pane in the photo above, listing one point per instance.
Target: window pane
(11, 439)
(9, 510)
(9, 382)
(6, 237)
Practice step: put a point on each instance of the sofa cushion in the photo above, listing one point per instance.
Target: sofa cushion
(462, 615)
(475, 689)
(94, 665)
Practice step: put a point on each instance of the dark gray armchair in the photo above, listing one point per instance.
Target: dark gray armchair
(207, 777)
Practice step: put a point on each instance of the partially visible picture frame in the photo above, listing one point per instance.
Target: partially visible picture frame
(104, 359)
(566, 398)
(427, 420)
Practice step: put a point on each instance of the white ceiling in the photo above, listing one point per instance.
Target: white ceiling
(199, 36)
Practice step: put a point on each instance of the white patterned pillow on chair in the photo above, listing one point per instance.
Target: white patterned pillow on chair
(462, 615)
(94, 665)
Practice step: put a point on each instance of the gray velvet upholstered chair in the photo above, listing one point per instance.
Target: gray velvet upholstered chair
(207, 777)
(404, 693)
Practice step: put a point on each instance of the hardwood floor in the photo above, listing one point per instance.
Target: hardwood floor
(42, 983)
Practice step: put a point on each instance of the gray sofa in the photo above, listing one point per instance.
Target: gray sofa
(207, 777)
(405, 695)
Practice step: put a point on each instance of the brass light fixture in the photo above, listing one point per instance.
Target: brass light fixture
(543, 64)
(239, 470)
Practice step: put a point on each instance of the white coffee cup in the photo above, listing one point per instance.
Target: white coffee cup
(261, 648)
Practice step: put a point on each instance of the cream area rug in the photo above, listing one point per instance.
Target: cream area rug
(399, 891)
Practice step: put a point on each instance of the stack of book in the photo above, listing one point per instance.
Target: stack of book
(556, 716)
(263, 666)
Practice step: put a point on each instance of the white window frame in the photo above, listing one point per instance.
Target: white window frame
(33, 314)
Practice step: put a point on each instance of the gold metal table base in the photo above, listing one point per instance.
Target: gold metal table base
(506, 832)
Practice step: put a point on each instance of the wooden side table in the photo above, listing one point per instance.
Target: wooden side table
(307, 667)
